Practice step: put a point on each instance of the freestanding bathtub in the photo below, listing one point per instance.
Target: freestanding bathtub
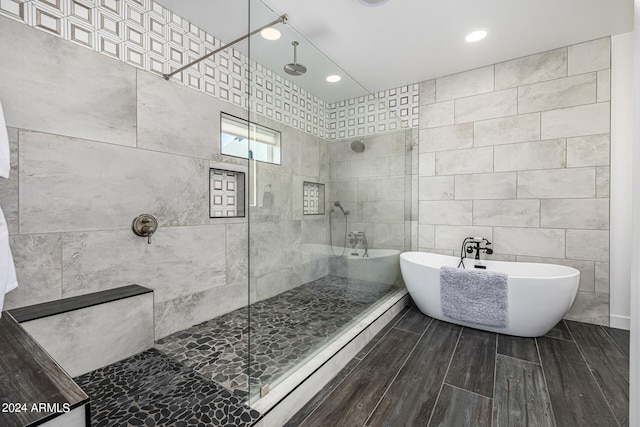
(539, 295)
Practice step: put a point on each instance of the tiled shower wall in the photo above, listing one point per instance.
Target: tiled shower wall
(90, 154)
(518, 152)
(278, 226)
(375, 186)
(96, 142)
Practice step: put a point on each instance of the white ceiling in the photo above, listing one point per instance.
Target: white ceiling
(403, 41)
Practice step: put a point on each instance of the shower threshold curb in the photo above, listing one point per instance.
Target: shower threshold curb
(289, 396)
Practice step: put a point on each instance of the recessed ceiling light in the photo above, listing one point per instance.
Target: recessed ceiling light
(270, 33)
(374, 3)
(476, 36)
(334, 78)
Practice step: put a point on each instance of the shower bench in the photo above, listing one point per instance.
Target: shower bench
(44, 345)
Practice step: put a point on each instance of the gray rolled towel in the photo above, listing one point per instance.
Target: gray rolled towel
(473, 296)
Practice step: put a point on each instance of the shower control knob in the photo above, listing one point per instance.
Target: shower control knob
(144, 226)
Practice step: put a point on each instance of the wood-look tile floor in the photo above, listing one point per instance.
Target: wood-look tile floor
(423, 372)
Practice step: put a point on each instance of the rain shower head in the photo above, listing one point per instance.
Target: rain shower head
(357, 146)
(294, 68)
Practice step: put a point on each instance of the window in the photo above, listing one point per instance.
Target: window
(244, 139)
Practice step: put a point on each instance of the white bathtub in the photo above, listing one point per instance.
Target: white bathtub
(382, 265)
(539, 295)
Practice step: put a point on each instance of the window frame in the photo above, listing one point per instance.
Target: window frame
(251, 130)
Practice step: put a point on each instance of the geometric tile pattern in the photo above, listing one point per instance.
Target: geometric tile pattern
(226, 193)
(312, 198)
(144, 34)
(279, 99)
(385, 111)
(285, 330)
(151, 389)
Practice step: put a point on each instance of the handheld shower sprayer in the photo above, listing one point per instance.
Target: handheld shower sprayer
(339, 205)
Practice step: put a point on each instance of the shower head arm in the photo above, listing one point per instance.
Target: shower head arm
(282, 19)
(295, 52)
(294, 68)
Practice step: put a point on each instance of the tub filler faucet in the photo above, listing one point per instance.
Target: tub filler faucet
(359, 237)
(474, 244)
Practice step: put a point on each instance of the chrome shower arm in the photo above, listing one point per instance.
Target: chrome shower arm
(282, 19)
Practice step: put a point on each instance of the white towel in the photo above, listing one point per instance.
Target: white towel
(5, 158)
(8, 280)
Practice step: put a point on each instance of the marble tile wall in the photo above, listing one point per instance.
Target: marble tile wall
(96, 142)
(278, 225)
(89, 155)
(92, 162)
(518, 152)
(374, 186)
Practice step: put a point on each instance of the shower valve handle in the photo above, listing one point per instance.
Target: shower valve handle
(144, 226)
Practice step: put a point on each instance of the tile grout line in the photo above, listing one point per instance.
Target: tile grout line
(519, 359)
(495, 379)
(557, 338)
(468, 391)
(588, 365)
(331, 392)
(445, 376)
(357, 364)
(398, 372)
(615, 344)
(382, 337)
(544, 377)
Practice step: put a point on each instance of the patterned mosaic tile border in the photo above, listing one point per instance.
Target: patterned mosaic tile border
(386, 111)
(144, 34)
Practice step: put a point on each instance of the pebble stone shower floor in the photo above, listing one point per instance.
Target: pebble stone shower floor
(198, 376)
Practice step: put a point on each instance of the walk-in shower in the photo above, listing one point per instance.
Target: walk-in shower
(314, 268)
(308, 285)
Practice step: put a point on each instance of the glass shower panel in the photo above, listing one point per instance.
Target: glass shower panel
(315, 273)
